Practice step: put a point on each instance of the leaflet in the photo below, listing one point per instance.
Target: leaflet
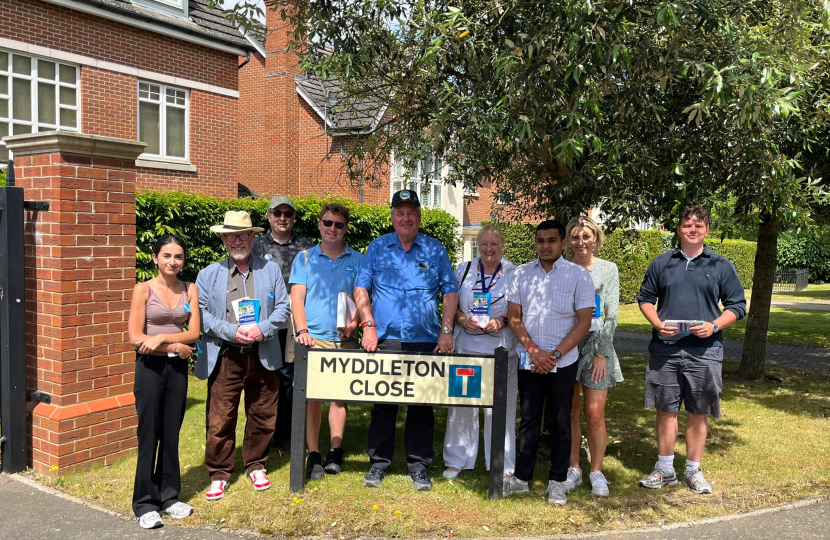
(526, 361)
(480, 310)
(246, 310)
(346, 310)
(596, 320)
(683, 325)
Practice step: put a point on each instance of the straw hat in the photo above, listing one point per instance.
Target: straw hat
(236, 222)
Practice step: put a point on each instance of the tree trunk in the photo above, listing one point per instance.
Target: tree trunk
(755, 340)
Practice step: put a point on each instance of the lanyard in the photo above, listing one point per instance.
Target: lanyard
(486, 288)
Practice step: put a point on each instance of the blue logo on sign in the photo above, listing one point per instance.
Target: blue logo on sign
(465, 381)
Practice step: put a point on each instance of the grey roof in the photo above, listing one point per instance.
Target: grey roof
(348, 114)
(204, 21)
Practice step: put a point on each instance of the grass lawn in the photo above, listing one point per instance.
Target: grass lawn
(812, 292)
(772, 445)
(793, 326)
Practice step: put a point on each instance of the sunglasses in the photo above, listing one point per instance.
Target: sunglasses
(339, 225)
(242, 236)
(278, 213)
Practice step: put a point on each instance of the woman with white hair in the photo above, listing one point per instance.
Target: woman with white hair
(485, 277)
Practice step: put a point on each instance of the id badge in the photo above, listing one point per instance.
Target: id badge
(480, 310)
(526, 361)
(596, 320)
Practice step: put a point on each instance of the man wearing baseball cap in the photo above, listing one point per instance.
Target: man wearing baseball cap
(281, 246)
(237, 357)
(405, 270)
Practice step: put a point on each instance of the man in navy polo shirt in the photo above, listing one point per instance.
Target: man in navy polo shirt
(318, 275)
(405, 270)
(686, 347)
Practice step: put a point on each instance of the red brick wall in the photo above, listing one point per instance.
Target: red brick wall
(110, 100)
(80, 270)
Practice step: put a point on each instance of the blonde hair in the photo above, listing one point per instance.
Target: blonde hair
(490, 228)
(587, 223)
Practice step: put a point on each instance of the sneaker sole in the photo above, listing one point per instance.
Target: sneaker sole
(515, 492)
(371, 484)
(262, 488)
(701, 491)
(422, 487)
(559, 502)
(332, 468)
(669, 483)
(179, 517)
(600, 492)
(157, 525)
(214, 497)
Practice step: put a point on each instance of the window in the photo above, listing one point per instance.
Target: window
(473, 247)
(36, 95)
(427, 180)
(162, 120)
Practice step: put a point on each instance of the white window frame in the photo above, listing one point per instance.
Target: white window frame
(34, 78)
(419, 182)
(163, 104)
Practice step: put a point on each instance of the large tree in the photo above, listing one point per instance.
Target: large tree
(637, 107)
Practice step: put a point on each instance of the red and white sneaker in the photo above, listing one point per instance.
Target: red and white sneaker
(216, 490)
(260, 480)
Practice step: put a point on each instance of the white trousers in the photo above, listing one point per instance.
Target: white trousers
(461, 437)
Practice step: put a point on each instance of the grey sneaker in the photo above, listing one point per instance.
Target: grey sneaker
(573, 480)
(314, 466)
(659, 478)
(513, 486)
(150, 520)
(599, 485)
(697, 483)
(374, 477)
(557, 494)
(420, 481)
(179, 510)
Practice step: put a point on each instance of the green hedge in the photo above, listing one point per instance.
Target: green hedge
(190, 216)
(631, 251)
(805, 252)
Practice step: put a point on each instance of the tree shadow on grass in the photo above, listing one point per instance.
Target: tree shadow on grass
(790, 391)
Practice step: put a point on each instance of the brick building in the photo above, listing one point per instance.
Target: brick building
(161, 71)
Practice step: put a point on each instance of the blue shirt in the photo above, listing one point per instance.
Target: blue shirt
(323, 279)
(405, 286)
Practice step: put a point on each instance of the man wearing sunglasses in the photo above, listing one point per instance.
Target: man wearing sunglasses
(318, 277)
(281, 245)
(240, 357)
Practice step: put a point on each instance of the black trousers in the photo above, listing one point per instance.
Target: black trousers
(282, 430)
(558, 389)
(419, 427)
(160, 400)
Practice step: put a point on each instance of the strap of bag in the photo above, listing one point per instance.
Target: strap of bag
(460, 283)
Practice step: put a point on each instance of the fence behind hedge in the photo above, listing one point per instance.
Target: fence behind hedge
(190, 216)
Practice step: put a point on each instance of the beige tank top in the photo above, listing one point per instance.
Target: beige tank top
(160, 319)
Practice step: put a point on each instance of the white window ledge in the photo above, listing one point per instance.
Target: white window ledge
(151, 163)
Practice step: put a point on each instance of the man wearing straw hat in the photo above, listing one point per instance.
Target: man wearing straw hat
(237, 357)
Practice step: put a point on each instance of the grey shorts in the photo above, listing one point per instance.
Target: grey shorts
(692, 376)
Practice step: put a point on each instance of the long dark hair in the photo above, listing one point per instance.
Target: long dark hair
(168, 239)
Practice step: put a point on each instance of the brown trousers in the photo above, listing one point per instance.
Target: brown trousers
(233, 373)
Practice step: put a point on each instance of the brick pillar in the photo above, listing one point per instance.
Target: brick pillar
(80, 271)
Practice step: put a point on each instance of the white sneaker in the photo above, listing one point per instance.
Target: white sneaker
(179, 510)
(450, 474)
(150, 520)
(216, 490)
(599, 485)
(573, 480)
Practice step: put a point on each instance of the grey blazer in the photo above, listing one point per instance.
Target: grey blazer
(270, 290)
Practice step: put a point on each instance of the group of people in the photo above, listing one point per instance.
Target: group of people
(556, 316)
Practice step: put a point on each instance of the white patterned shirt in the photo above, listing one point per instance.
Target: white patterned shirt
(550, 301)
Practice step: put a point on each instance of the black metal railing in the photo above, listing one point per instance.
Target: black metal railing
(790, 279)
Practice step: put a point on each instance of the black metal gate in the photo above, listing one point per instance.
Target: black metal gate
(12, 329)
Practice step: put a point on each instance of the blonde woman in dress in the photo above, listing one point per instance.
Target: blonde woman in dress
(598, 368)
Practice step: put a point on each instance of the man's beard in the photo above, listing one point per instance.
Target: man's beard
(237, 255)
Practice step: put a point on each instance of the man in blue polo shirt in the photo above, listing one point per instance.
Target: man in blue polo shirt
(687, 285)
(405, 270)
(318, 275)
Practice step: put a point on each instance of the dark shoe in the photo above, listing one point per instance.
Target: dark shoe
(334, 461)
(314, 466)
(420, 481)
(281, 443)
(374, 477)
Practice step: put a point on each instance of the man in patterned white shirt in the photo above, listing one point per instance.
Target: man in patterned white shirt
(550, 304)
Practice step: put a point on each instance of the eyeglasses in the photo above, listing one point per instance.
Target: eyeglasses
(339, 225)
(278, 213)
(241, 236)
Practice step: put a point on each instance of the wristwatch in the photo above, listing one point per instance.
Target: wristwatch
(715, 327)
(505, 320)
(367, 324)
(446, 330)
(557, 354)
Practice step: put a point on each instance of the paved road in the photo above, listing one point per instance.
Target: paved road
(33, 512)
(778, 355)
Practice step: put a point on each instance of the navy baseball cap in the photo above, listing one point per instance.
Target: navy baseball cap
(405, 196)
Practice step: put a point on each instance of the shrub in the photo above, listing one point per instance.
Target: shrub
(742, 255)
(805, 252)
(190, 216)
(2, 177)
